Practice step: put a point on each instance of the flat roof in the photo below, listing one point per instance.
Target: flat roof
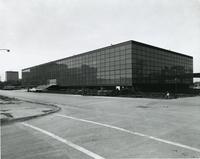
(113, 45)
(11, 71)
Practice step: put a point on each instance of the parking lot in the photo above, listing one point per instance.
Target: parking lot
(105, 127)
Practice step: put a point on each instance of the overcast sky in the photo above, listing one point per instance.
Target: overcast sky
(38, 31)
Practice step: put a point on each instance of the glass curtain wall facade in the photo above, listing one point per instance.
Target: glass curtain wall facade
(152, 65)
(110, 66)
(126, 64)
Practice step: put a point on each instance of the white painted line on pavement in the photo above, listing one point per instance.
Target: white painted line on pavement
(77, 147)
(132, 132)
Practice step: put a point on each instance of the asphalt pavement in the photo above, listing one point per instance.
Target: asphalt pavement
(105, 127)
(14, 110)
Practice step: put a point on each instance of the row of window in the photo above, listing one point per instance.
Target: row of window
(89, 61)
(96, 55)
(158, 54)
(127, 73)
(124, 62)
(161, 60)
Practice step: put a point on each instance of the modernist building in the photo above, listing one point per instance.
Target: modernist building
(127, 64)
(12, 76)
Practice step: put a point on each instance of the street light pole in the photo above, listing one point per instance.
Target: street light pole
(5, 50)
(175, 91)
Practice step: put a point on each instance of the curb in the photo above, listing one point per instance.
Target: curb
(55, 108)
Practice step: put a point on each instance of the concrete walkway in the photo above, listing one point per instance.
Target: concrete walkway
(12, 110)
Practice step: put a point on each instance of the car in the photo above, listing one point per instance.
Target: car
(32, 90)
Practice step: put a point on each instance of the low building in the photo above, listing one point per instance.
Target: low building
(12, 76)
(129, 64)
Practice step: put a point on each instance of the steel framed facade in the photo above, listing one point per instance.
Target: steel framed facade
(126, 64)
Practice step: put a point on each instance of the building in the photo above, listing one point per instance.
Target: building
(129, 64)
(12, 76)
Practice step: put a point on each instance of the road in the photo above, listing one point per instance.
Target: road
(105, 127)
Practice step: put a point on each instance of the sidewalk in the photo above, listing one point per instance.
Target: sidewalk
(12, 110)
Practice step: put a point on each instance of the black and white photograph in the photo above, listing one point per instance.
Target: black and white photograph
(99, 79)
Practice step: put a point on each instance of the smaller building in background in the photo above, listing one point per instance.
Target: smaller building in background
(12, 76)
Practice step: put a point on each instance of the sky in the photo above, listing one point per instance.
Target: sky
(39, 31)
